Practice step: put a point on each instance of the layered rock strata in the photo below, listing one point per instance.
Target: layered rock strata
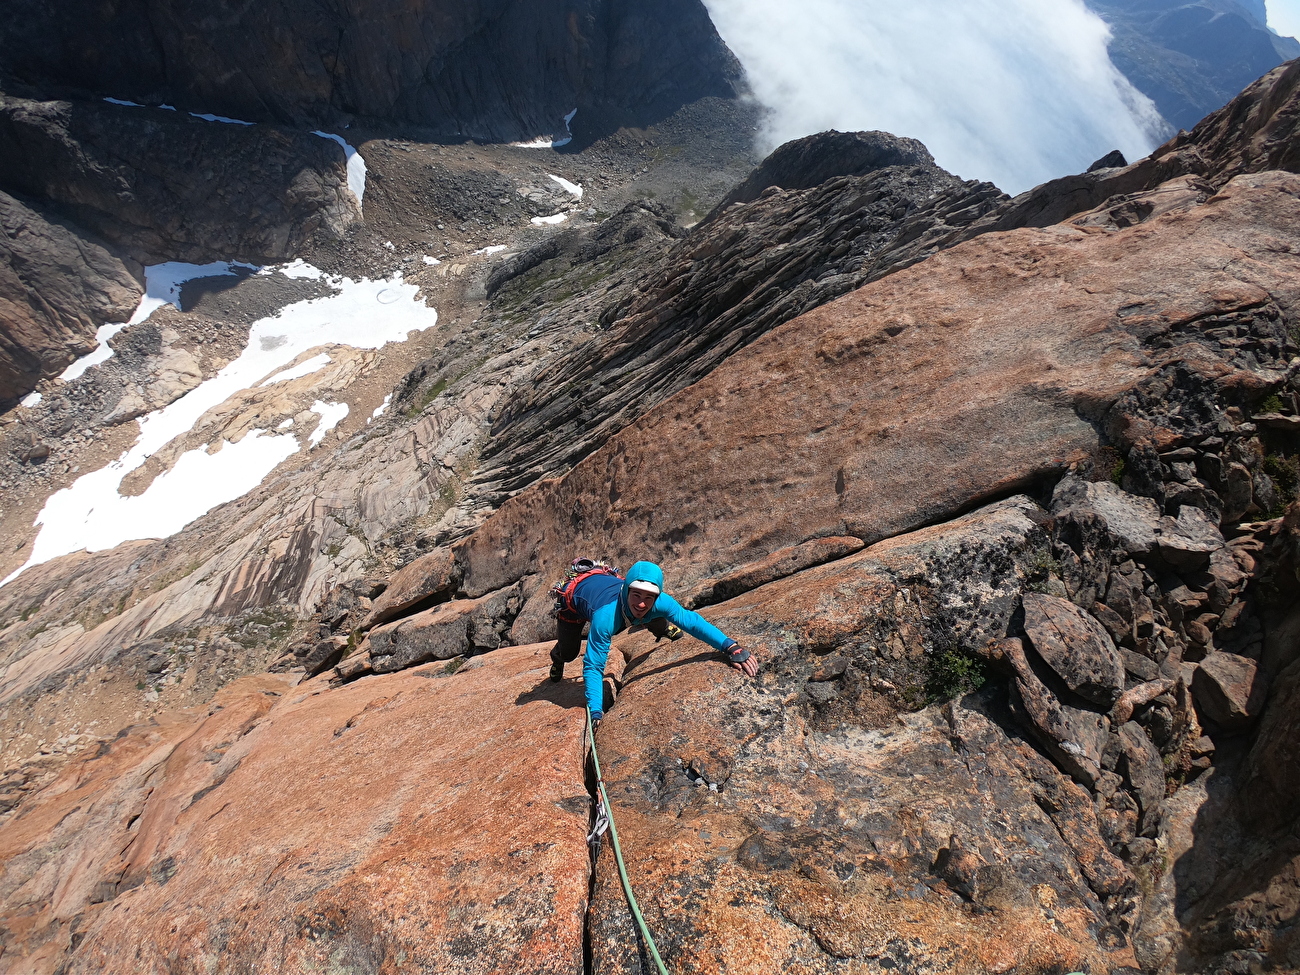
(744, 271)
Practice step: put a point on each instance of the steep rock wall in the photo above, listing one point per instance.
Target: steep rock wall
(501, 70)
(56, 288)
(162, 185)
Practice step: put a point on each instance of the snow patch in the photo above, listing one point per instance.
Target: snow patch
(492, 249)
(356, 165)
(296, 269)
(163, 283)
(553, 219)
(431, 261)
(101, 352)
(196, 484)
(568, 187)
(123, 101)
(381, 408)
(31, 399)
(301, 369)
(162, 286)
(331, 415)
(220, 118)
(91, 514)
(543, 143)
(285, 424)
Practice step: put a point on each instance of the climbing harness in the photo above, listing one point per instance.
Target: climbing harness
(604, 817)
(562, 592)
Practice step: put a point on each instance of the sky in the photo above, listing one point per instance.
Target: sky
(1015, 92)
(1284, 17)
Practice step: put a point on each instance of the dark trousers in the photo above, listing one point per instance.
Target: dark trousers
(568, 637)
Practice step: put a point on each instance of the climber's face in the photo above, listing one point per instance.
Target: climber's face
(640, 602)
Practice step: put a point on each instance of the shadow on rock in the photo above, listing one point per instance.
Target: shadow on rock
(633, 677)
(565, 693)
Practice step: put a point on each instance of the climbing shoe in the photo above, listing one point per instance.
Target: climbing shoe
(674, 632)
(557, 670)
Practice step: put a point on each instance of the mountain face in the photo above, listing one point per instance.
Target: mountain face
(502, 70)
(1002, 493)
(1191, 58)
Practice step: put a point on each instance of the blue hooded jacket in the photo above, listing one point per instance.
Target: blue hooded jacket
(603, 601)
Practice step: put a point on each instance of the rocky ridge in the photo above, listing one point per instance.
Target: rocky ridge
(1137, 641)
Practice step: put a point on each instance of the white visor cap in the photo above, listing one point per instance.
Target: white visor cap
(643, 586)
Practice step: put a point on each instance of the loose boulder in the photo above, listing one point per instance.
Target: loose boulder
(1187, 542)
(1230, 690)
(466, 626)
(1075, 738)
(1129, 520)
(1076, 647)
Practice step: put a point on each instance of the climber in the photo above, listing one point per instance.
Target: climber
(595, 594)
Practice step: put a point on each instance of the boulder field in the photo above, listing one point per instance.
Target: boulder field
(1010, 520)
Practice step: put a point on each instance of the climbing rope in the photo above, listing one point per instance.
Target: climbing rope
(605, 816)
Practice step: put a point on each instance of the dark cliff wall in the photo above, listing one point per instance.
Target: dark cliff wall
(492, 69)
(1191, 58)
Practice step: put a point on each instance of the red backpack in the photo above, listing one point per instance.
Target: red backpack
(563, 591)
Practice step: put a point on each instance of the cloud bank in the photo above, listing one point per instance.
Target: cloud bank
(1011, 91)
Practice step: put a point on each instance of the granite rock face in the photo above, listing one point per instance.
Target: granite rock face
(877, 387)
(263, 832)
(499, 71)
(56, 288)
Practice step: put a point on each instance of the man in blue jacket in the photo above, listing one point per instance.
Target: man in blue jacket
(612, 605)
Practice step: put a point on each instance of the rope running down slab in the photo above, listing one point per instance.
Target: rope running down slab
(618, 852)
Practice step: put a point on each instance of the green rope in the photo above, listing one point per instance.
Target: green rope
(618, 854)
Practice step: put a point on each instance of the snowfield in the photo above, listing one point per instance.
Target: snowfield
(93, 515)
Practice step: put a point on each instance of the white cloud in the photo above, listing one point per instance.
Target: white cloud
(1284, 17)
(1011, 91)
